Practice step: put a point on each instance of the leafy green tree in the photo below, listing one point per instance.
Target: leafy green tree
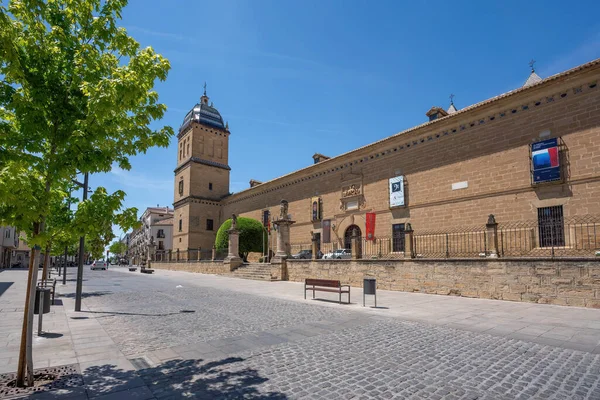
(253, 236)
(117, 248)
(76, 96)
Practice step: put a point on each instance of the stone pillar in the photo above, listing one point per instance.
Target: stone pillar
(491, 228)
(283, 239)
(177, 256)
(214, 253)
(199, 251)
(409, 248)
(315, 247)
(233, 259)
(170, 256)
(356, 246)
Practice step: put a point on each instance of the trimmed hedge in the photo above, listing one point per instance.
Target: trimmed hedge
(252, 234)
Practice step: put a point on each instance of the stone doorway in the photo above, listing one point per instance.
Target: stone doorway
(348, 236)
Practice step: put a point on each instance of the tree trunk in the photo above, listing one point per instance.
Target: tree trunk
(25, 360)
(36, 264)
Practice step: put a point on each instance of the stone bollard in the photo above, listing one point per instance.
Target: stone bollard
(315, 247)
(356, 249)
(214, 253)
(409, 245)
(199, 251)
(491, 228)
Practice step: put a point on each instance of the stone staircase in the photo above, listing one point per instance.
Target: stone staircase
(254, 271)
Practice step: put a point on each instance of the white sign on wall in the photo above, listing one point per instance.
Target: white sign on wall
(397, 191)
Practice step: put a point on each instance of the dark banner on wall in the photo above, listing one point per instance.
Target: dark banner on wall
(326, 231)
(370, 226)
(315, 210)
(545, 163)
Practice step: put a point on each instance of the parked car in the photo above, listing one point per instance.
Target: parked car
(99, 264)
(338, 254)
(303, 255)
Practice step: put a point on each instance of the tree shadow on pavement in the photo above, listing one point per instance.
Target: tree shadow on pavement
(85, 295)
(223, 379)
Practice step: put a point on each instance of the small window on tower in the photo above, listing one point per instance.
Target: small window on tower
(180, 225)
(181, 188)
(188, 148)
(209, 185)
(209, 224)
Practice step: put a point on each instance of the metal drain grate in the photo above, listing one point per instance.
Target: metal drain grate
(139, 363)
(46, 380)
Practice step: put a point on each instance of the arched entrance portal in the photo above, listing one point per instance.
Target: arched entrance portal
(348, 235)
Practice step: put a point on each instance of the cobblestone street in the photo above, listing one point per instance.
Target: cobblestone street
(182, 335)
(307, 350)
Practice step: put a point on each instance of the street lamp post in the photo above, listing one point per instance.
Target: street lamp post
(78, 289)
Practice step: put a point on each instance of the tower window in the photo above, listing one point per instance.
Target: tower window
(180, 225)
(181, 188)
(209, 185)
(209, 224)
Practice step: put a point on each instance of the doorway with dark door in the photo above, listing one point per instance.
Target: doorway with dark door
(348, 236)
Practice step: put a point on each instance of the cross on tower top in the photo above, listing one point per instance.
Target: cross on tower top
(451, 98)
(531, 64)
(205, 88)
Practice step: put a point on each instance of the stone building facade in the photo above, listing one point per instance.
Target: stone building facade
(156, 227)
(455, 169)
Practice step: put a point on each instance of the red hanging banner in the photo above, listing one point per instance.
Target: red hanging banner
(370, 226)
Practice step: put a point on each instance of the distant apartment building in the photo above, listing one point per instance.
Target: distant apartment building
(9, 242)
(157, 227)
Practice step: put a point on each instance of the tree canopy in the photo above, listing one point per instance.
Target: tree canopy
(253, 236)
(76, 97)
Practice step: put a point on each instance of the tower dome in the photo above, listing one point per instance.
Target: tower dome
(204, 114)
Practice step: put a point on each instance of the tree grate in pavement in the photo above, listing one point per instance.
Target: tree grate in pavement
(139, 363)
(46, 379)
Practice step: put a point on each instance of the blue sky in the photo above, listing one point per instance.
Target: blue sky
(297, 77)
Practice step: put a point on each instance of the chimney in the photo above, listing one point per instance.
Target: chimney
(317, 158)
(435, 113)
(254, 182)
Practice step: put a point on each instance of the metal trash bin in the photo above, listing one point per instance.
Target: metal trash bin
(370, 287)
(46, 293)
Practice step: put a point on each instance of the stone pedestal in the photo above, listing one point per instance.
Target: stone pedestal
(491, 237)
(356, 246)
(409, 248)
(284, 250)
(233, 259)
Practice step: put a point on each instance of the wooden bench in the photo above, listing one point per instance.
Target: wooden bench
(325, 285)
(49, 284)
(146, 270)
(132, 269)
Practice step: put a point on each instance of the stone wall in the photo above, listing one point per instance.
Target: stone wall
(573, 282)
(203, 267)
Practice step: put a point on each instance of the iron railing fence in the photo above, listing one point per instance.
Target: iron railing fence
(577, 236)
(464, 242)
(190, 255)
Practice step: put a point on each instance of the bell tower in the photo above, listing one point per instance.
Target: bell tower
(201, 176)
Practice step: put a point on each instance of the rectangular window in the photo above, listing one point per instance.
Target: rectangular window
(266, 215)
(181, 188)
(326, 231)
(551, 226)
(161, 245)
(398, 237)
(209, 224)
(160, 233)
(209, 186)
(180, 225)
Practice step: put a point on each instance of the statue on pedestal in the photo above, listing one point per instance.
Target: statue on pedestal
(233, 221)
(283, 212)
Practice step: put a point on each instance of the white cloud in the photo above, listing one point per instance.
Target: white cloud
(140, 181)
